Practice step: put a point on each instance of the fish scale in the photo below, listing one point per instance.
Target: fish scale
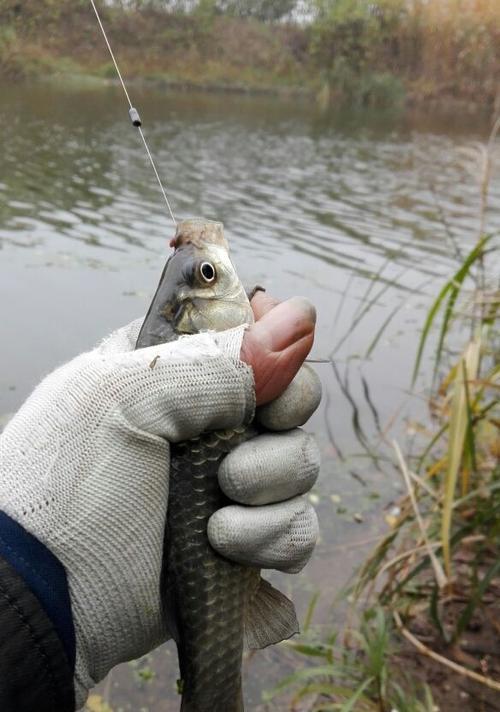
(205, 593)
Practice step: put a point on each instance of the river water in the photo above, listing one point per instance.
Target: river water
(364, 214)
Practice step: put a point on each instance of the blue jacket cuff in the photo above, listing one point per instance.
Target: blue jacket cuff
(44, 575)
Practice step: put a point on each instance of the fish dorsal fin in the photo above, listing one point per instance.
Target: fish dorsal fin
(270, 617)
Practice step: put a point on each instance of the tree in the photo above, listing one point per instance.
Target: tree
(265, 10)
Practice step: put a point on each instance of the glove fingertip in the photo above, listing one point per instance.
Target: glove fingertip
(295, 406)
(271, 467)
(280, 536)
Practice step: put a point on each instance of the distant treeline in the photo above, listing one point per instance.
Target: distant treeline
(354, 51)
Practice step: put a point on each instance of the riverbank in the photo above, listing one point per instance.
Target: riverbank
(350, 56)
(153, 46)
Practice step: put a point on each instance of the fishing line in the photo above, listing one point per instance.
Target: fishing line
(133, 113)
(137, 122)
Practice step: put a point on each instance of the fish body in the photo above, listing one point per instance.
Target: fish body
(212, 606)
(205, 594)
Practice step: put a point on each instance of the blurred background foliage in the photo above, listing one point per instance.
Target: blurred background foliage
(342, 51)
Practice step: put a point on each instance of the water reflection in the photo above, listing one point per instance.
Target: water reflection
(363, 215)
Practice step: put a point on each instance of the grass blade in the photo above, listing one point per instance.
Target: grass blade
(381, 330)
(453, 287)
(475, 599)
(438, 570)
(349, 705)
(458, 425)
(310, 611)
(470, 443)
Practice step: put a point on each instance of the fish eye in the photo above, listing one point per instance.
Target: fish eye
(207, 272)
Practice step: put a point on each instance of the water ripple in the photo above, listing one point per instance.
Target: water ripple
(348, 200)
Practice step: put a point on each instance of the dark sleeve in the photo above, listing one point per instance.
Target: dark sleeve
(34, 669)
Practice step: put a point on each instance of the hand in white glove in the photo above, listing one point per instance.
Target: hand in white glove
(85, 468)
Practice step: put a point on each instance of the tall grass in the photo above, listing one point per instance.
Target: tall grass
(459, 464)
(452, 507)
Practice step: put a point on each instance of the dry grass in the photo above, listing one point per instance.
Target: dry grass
(458, 46)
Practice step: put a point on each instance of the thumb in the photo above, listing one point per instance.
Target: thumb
(277, 344)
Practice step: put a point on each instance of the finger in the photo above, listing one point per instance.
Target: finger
(272, 382)
(295, 405)
(277, 536)
(261, 303)
(270, 468)
(285, 324)
(276, 346)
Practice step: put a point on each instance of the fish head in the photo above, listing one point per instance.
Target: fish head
(199, 289)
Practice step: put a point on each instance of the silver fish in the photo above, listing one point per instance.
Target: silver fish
(212, 606)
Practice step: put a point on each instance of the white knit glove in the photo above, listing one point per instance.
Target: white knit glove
(84, 468)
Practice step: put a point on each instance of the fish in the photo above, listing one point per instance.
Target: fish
(213, 607)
